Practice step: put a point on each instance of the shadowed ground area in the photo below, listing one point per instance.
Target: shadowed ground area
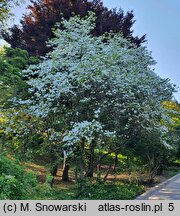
(168, 190)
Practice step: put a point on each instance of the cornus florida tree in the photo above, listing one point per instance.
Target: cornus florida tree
(95, 92)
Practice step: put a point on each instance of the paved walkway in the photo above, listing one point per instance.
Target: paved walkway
(168, 190)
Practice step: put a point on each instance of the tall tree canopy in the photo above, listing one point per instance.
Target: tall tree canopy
(95, 95)
(38, 23)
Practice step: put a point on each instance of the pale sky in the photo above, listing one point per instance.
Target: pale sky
(159, 20)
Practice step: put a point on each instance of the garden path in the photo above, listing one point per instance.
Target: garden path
(168, 190)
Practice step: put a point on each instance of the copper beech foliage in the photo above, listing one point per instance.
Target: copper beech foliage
(36, 25)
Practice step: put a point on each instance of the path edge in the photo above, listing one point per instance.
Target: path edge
(158, 186)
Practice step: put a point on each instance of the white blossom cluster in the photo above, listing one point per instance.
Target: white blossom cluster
(87, 130)
(95, 81)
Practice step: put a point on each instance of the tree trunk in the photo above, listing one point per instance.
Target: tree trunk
(90, 171)
(81, 160)
(105, 177)
(53, 173)
(65, 176)
(128, 165)
(115, 161)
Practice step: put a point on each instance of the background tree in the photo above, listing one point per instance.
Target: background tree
(5, 10)
(173, 111)
(37, 25)
(12, 62)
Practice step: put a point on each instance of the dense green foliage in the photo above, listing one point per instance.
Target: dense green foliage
(12, 61)
(15, 182)
(108, 191)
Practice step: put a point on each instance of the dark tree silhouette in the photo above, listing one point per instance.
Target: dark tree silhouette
(36, 26)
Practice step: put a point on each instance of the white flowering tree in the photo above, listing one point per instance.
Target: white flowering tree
(95, 92)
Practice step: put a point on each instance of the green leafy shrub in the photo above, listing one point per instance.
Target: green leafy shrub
(8, 74)
(108, 191)
(33, 60)
(12, 53)
(12, 62)
(18, 62)
(17, 184)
